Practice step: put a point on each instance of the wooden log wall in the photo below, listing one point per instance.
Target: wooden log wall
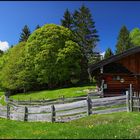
(131, 62)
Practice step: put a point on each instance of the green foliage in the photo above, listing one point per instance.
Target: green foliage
(85, 34)
(1, 53)
(106, 126)
(25, 34)
(2, 101)
(50, 58)
(96, 57)
(53, 55)
(135, 36)
(108, 53)
(12, 67)
(67, 19)
(124, 41)
(85, 31)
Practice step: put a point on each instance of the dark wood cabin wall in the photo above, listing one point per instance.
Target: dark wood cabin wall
(132, 63)
(116, 84)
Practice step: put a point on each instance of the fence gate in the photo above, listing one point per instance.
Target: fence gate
(134, 99)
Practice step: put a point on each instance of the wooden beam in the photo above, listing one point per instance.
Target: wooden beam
(101, 70)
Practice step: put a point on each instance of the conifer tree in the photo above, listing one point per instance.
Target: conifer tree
(108, 53)
(25, 34)
(67, 19)
(86, 36)
(37, 27)
(85, 31)
(123, 41)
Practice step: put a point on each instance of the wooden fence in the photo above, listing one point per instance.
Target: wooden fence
(134, 97)
(64, 112)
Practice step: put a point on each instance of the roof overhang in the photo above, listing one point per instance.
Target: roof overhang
(113, 58)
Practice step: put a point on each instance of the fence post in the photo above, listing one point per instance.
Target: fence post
(127, 101)
(53, 113)
(8, 111)
(18, 101)
(89, 106)
(30, 100)
(63, 98)
(131, 98)
(102, 89)
(26, 114)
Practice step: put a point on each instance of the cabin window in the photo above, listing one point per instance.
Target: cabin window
(105, 86)
(116, 78)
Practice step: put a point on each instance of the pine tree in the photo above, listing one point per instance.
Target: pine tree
(67, 19)
(108, 53)
(25, 34)
(86, 36)
(124, 41)
(37, 27)
(85, 31)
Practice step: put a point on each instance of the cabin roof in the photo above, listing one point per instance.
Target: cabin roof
(113, 58)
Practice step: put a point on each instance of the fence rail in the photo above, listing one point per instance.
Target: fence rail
(54, 101)
(63, 112)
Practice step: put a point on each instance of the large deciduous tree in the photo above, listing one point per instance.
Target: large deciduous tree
(12, 69)
(54, 56)
(25, 34)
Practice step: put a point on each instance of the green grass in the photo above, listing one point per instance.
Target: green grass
(112, 126)
(52, 94)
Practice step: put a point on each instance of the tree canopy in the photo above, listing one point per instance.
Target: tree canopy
(50, 58)
(135, 36)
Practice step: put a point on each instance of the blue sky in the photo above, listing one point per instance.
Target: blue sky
(109, 18)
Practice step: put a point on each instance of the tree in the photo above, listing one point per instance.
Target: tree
(85, 31)
(108, 53)
(25, 34)
(50, 58)
(123, 41)
(53, 55)
(37, 27)
(135, 36)
(67, 20)
(86, 36)
(12, 69)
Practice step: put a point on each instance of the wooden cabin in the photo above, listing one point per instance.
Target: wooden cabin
(115, 74)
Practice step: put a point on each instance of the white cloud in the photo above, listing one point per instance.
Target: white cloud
(4, 45)
(103, 53)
